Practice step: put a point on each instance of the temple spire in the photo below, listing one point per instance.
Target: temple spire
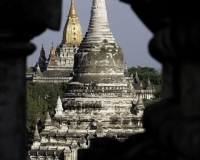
(36, 134)
(72, 11)
(149, 83)
(139, 108)
(59, 108)
(47, 122)
(72, 33)
(52, 52)
(149, 86)
(42, 52)
(99, 27)
(136, 79)
(126, 66)
(98, 39)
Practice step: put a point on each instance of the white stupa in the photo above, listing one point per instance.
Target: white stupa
(59, 108)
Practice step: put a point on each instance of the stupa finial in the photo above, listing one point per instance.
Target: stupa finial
(52, 52)
(72, 11)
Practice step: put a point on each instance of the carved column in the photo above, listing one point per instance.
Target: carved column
(21, 20)
(74, 148)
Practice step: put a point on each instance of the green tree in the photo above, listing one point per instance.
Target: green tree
(147, 72)
(148, 102)
(158, 93)
(41, 98)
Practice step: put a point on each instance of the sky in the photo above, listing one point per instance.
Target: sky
(130, 33)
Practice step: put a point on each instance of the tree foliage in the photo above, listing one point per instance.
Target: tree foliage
(147, 72)
(40, 98)
(158, 93)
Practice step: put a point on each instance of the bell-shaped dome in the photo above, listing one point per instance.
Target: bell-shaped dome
(99, 53)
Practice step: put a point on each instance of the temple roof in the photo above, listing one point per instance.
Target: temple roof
(137, 86)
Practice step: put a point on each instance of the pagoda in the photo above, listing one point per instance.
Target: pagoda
(99, 80)
(58, 67)
(98, 101)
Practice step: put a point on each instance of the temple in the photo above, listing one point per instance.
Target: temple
(58, 67)
(98, 102)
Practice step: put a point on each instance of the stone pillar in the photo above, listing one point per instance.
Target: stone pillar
(21, 20)
(74, 148)
(67, 154)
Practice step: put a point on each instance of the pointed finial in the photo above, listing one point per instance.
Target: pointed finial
(149, 82)
(126, 66)
(72, 11)
(36, 134)
(42, 52)
(52, 52)
(59, 108)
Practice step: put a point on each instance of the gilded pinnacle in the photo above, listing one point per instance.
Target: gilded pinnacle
(72, 11)
(52, 52)
(72, 33)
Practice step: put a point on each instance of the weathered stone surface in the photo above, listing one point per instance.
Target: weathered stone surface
(99, 66)
(98, 102)
(171, 126)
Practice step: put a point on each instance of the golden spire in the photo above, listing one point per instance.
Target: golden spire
(72, 11)
(72, 33)
(52, 52)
